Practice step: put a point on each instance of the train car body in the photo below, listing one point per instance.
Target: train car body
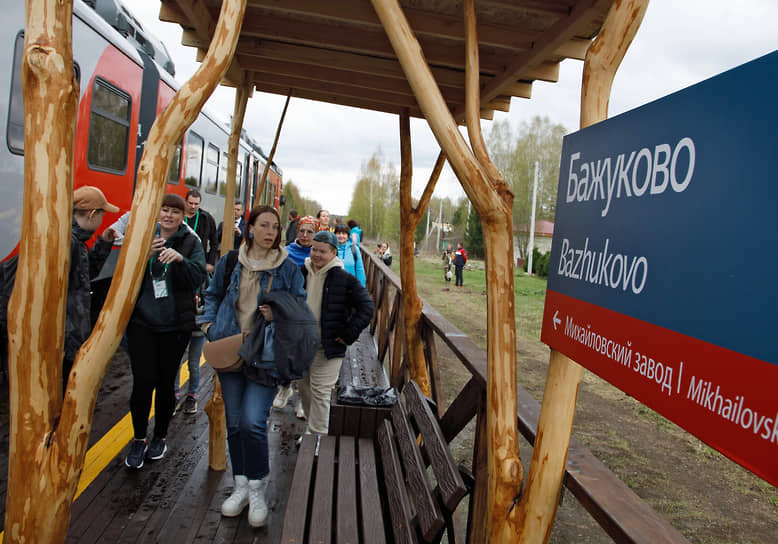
(124, 84)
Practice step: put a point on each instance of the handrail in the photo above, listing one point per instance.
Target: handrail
(616, 508)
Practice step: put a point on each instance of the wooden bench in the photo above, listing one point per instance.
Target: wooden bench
(375, 490)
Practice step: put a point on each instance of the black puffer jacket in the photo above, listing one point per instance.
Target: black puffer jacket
(84, 265)
(346, 309)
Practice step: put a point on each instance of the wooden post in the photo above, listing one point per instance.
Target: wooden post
(49, 435)
(41, 478)
(494, 201)
(272, 154)
(409, 219)
(537, 508)
(242, 94)
(217, 429)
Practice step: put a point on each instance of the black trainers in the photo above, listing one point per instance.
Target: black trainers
(190, 405)
(135, 457)
(156, 449)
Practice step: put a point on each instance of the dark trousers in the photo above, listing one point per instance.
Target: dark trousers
(458, 274)
(155, 357)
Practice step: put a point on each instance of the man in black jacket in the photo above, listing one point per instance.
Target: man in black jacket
(204, 226)
(342, 308)
(291, 230)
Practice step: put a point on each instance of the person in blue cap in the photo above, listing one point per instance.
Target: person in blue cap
(342, 308)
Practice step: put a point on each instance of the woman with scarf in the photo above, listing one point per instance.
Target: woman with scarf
(231, 302)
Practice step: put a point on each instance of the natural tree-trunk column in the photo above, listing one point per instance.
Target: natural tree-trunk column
(493, 201)
(41, 477)
(414, 350)
(49, 436)
(409, 219)
(537, 508)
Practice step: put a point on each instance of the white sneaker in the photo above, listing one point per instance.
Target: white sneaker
(282, 396)
(236, 503)
(298, 409)
(257, 504)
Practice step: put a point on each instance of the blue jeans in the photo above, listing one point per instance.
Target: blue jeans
(194, 352)
(247, 407)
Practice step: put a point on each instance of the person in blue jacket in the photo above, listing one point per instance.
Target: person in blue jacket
(355, 232)
(348, 252)
(301, 247)
(231, 302)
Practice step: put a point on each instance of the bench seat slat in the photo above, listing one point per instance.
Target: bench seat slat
(297, 504)
(401, 518)
(346, 527)
(321, 507)
(427, 510)
(370, 497)
(450, 483)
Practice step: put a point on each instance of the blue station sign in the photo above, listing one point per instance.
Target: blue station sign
(663, 276)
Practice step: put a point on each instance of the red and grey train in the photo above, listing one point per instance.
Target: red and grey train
(126, 79)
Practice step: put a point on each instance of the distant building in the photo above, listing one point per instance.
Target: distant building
(544, 231)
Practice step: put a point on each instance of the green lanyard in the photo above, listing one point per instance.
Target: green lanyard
(164, 272)
(197, 218)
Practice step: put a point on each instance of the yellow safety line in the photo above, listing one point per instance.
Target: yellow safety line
(112, 442)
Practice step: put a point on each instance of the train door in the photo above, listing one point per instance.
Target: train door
(107, 129)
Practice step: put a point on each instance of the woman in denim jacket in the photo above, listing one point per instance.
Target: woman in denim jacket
(230, 306)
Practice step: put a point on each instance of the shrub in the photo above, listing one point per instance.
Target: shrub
(540, 262)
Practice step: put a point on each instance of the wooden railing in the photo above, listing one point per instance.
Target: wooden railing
(615, 507)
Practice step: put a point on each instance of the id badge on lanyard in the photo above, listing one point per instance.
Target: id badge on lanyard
(160, 287)
(159, 284)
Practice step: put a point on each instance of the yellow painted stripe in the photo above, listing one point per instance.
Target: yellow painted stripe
(112, 442)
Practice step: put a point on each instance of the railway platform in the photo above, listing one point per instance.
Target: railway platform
(178, 499)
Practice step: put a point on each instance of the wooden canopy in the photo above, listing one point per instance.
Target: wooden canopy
(338, 52)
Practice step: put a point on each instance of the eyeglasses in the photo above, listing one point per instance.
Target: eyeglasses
(305, 232)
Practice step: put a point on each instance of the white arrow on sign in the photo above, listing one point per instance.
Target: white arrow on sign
(556, 319)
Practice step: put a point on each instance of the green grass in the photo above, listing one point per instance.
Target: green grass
(529, 293)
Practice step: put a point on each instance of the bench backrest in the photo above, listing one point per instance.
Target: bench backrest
(406, 447)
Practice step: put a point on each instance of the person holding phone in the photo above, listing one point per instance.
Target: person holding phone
(160, 327)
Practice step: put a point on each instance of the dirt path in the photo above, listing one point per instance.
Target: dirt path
(707, 497)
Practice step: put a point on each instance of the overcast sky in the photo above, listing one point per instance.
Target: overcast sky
(323, 146)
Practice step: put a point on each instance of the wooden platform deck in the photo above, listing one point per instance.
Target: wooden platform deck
(178, 499)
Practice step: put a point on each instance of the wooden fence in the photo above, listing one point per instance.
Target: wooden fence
(618, 510)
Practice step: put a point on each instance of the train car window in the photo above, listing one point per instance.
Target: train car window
(223, 174)
(211, 169)
(194, 159)
(109, 128)
(174, 176)
(239, 182)
(15, 128)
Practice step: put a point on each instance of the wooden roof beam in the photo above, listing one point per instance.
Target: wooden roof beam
(423, 24)
(356, 102)
(561, 32)
(365, 41)
(195, 16)
(279, 69)
(342, 60)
